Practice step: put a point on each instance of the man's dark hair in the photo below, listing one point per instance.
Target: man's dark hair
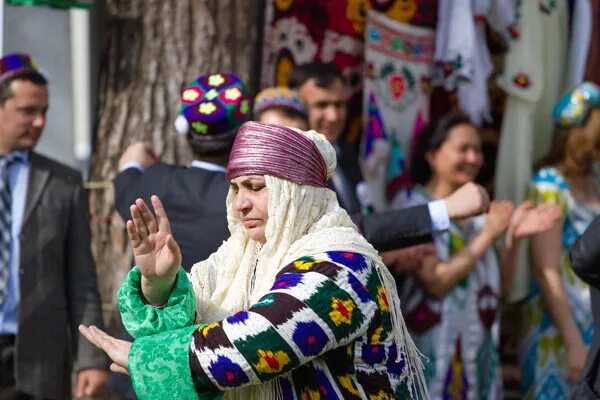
(31, 76)
(215, 146)
(324, 75)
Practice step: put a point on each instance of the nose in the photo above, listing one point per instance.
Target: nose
(332, 113)
(241, 203)
(473, 156)
(39, 121)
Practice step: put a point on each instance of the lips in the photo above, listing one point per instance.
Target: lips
(250, 222)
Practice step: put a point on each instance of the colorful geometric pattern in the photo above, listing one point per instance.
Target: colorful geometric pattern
(279, 97)
(319, 331)
(574, 107)
(215, 104)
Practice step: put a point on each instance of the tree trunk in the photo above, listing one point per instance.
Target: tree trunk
(153, 48)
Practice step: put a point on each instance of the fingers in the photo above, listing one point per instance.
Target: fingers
(118, 369)
(172, 244)
(161, 215)
(138, 221)
(133, 234)
(147, 217)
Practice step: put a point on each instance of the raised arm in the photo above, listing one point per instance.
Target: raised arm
(156, 253)
(396, 229)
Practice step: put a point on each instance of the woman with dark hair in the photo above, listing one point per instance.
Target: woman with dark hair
(558, 323)
(451, 304)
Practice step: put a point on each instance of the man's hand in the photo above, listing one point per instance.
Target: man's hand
(468, 200)
(141, 152)
(90, 382)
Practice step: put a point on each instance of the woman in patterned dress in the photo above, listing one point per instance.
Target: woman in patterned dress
(294, 305)
(451, 304)
(557, 318)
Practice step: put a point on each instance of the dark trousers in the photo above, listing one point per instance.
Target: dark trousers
(8, 389)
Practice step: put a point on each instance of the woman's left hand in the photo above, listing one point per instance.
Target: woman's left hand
(530, 220)
(116, 349)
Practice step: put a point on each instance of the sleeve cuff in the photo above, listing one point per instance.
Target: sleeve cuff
(438, 212)
(160, 368)
(132, 164)
(141, 319)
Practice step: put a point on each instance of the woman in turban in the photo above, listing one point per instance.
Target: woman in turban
(295, 304)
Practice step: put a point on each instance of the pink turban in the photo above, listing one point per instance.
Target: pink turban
(266, 149)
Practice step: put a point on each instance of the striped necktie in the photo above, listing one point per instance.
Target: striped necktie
(5, 225)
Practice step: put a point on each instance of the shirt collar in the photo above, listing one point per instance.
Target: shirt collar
(20, 156)
(208, 166)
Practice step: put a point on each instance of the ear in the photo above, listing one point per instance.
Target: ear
(430, 156)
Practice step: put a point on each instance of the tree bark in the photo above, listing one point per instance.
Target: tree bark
(153, 48)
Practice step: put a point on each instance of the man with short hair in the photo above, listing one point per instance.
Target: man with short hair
(47, 274)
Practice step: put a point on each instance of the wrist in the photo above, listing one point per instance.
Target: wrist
(156, 291)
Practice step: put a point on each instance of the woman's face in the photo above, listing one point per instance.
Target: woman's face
(250, 203)
(459, 159)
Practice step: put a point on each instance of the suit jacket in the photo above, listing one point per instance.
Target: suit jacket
(193, 197)
(57, 282)
(585, 261)
(388, 230)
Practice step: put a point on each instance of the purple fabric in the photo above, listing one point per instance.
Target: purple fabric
(266, 149)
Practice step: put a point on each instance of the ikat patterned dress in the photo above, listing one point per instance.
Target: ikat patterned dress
(543, 363)
(323, 332)
(458, 333)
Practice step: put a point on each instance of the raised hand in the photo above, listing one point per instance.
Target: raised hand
(498, 218)
(156, 253)
(529, 220)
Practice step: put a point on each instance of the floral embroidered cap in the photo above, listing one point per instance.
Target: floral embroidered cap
(15, 64)
(213, 107)
(574, 107)
(278, 97)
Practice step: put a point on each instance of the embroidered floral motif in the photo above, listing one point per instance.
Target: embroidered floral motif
(346, 382)
(382, 299)
(200, 128)
(216, 80)
(522, 80)
(271, 362)
(207, 108)
(341, 311)
(191, 95)
(233, 93)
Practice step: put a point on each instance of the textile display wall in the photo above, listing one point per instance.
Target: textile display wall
(330, 31)
(397, 86)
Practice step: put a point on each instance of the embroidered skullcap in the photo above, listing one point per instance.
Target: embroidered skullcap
(574, 107)
(278, 97)
(213, 107)
(306, 158)
(13, 65)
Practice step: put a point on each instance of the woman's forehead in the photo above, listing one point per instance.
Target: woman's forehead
(247, 178)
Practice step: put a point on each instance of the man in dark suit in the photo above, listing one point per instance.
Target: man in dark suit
(322, 89)
(585, 261)
(47, 273)
(212, 108)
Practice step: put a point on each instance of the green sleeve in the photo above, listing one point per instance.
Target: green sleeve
(142, 319)
(160, 369)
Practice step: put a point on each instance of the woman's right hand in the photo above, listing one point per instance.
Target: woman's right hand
(498, 217)
(157, 255)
